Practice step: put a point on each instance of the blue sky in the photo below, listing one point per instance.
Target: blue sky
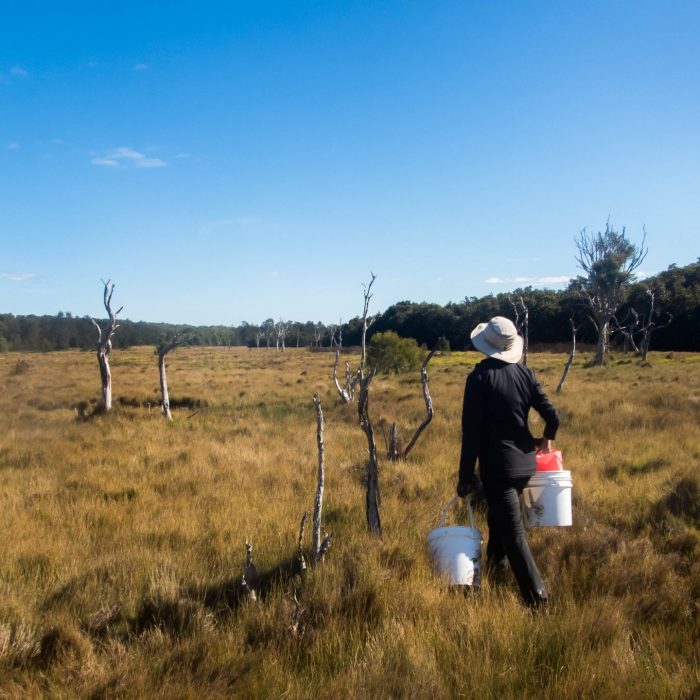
(239, 160)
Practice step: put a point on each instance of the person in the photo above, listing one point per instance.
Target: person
(498, 396)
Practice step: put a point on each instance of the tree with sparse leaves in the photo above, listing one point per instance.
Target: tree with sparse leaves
(609, 260)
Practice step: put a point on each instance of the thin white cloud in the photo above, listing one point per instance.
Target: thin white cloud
(541, 281)
(17, 276)
(19, 72)
(274, 274)
(13, 146)
(128, 157)
(110, 162)
(139, 66)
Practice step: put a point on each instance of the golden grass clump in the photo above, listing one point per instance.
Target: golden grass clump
(124, 536)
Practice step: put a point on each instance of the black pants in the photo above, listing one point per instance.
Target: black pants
(507, 538)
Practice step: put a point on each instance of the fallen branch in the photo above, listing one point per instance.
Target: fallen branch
(428, 405)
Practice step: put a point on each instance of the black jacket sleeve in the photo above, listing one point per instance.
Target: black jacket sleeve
(545, 408)
(472, 426)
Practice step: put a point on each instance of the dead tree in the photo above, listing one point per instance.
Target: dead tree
(522, 324)
(372, 471)
(319, 546)
(570, 359)
(365, 324)
(627, 328)
(104, 345)
(650, 325)
(163, 349)
(428, 406)
(346, 392)
(318, 330)
(280, 334)
(332, 330)
(353, 379)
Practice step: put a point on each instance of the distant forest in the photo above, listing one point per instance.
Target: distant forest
(677, 292)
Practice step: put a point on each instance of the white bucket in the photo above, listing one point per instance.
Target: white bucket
(456, 551)
(547, 499)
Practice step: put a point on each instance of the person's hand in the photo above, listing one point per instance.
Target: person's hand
(471, 487)
(544, 445)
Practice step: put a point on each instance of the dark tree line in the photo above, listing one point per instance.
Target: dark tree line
(676, 292)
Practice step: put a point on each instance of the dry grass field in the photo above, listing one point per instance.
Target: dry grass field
(123, 536)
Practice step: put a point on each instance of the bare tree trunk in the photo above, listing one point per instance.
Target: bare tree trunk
(163, 350)
(603, 325)
(392, 447)
(372, 473)
(104, 345)
(300, 541)
(570, 358)
(103, 353)
(318, 501)
(164, 386)
(428, 405)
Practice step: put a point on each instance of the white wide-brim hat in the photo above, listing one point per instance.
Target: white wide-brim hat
(498, 338)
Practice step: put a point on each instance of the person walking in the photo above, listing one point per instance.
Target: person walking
(497, 399)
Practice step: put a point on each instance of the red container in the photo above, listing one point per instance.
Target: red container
(549, 461)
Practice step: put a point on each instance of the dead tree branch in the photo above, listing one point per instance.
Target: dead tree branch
(372, 472)
(365, 325)
(104, 344)
(522, 324)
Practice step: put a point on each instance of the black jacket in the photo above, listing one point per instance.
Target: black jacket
(497, 400)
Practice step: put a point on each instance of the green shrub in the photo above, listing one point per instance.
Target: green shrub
(389, 352)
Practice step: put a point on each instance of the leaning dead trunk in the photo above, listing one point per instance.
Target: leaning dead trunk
(163, 349)
(570, 358)
(372, 472)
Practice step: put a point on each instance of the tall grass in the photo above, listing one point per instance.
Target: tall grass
(124, 536)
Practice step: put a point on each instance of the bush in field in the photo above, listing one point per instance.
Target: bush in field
(389, 352)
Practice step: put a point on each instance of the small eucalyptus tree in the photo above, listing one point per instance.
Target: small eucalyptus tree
(104, 344)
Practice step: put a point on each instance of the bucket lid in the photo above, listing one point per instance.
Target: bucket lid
(545, 477)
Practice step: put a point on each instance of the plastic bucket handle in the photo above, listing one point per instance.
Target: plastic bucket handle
(449, 505)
